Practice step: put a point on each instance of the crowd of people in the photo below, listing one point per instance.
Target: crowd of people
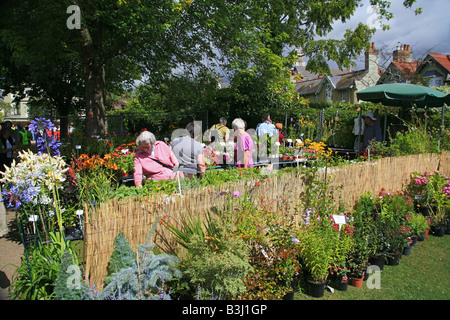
(13, 138)
(157, 160)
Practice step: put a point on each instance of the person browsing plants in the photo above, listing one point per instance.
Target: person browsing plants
(372, 132)
(243, 150)
(189, 151)
(153, 160)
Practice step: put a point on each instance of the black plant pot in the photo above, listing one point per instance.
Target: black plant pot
(426, 211)
(341, 285)
(73, 233)
(414, 240)
(378, 261)
(316, 288)
(393, 259)
(438, 231)
(407, 250)
(421, 236)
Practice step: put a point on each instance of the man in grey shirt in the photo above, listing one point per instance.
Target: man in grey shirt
(189, 151)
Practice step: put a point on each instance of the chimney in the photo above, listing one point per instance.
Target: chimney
(402, 53)
(371, 58)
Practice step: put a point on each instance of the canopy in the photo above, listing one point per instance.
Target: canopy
(404, 95)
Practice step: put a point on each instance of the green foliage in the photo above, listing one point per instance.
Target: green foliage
(122, 257)
(218, 270)
(145, 278)
(96, 184)
(317, 248)
(417, 224)
(35, 278)
(364, 227)
(69, 286)
(217, 259)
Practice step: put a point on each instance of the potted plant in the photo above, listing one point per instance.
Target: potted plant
(364, 223)
(340, 273)
(357, 272)
(418, 225)
(322, 245)
(394, 212)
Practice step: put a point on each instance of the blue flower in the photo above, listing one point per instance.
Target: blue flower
(44, 142)
(40, 124)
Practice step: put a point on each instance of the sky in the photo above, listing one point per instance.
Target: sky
(429, 31)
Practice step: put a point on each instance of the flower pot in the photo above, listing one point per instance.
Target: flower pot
(289, 295)
(414, 240)
(426, 211)
(316, 288)
(438, 231)
(393, 259)
(357, 282)
(377, 260)
(341, 284)
(421, 236)
(407, 250)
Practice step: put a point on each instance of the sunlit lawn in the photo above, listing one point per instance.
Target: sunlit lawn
(424, 275)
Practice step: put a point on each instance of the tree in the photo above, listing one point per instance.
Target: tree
(119, 41)
(39, 63)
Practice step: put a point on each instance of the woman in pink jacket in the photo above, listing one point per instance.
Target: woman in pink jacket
(154, 159)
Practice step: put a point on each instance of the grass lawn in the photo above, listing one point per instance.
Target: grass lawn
(423, 275)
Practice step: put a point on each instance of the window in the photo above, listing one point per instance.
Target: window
(328, 91)
(434, 78)
(435, 82)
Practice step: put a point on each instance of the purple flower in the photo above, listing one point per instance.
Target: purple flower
(44, 142)
(236, 194)
(40, 124)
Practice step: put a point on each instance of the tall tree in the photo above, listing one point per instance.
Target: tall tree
(121, 40)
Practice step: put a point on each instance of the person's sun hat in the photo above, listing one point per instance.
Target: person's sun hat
(370, 115)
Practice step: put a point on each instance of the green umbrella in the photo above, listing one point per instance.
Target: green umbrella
(404, 95)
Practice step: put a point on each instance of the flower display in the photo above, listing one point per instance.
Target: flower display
(44, 142)
(32, 178)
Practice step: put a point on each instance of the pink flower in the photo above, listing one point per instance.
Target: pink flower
(236, 194)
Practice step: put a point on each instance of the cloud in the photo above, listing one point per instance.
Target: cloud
(429, 31)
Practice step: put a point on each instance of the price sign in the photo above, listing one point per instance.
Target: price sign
(339, 220)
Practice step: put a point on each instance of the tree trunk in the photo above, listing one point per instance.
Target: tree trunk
(95, 108)
(64, 118)
(94, 86)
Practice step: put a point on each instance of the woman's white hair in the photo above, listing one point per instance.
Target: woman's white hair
(145, 137)
(238, 123)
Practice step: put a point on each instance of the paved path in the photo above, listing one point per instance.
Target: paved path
(11, 251)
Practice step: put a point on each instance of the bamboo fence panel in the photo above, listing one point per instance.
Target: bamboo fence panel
(134, 216)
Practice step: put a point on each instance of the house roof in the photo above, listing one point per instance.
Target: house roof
(407, 68)
(339, 81)
(308, 86)
(443, 59)
(308, 75)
